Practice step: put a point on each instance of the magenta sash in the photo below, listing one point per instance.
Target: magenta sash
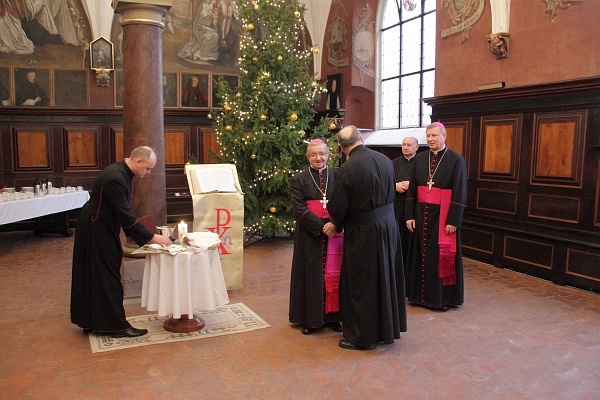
(333, 261)
(447, 243)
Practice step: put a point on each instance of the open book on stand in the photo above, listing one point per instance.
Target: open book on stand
(211, 180)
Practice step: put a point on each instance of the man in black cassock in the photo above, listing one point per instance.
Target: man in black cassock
(435, 204)
(372, 298)
(314, 296)
(96, 288)
(402, 164)
(30, 93)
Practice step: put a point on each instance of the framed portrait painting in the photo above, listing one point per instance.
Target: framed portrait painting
(4, 87)
(32, 87)
(232, 80)
(169, 83)
(119, 90)
(70, 88)
(194, 90)
(334, 92)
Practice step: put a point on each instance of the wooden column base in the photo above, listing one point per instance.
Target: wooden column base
(184, 324)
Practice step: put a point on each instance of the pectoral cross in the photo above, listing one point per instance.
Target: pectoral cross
(430, 183)
(324, 202)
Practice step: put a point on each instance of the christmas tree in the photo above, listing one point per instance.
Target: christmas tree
(264, 124)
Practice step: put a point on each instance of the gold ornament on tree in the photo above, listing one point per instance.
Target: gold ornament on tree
(250, 26)
(294, 117)
(279, 58)
(253, 156)
(228, 128)
(273, 209)
(297, 14)
(263, 117)
(332, 126)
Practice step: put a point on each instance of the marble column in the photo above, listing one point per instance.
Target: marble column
(143, 119)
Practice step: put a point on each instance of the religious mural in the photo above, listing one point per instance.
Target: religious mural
(53, 37)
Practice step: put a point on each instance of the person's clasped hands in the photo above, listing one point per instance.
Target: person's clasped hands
(329, 229)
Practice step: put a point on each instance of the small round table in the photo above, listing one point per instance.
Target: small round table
(177, 284)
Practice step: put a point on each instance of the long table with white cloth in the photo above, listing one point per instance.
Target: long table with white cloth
(34, 207)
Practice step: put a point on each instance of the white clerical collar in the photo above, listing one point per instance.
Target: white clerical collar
(442, 149)
(409, 158)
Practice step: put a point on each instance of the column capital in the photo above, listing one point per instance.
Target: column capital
(142, 12)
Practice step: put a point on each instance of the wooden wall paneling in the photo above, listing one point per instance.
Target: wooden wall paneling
(500, 145)
(583, 264)
(528, 252)
(553, 207)
(597, 193)
(502, 201)
(32, 148)
(481, 241)
(458, 138)
(177, 146)
(209, 143)
(177, 149)
(116, 148)
(81, 148)
(558, 148)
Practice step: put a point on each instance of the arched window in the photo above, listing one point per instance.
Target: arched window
(407, 63)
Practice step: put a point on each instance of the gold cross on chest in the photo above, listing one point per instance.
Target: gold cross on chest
(430, 183)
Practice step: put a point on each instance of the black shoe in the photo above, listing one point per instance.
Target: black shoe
(335, 326)
(306, 330)
(346, 344)
(444, 308)
(131, 332)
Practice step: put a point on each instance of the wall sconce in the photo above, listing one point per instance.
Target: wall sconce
(498, 44)
(102, 60)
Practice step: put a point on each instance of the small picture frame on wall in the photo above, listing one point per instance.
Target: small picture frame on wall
(101, 55)
(194, 90)
(5, 99)
(32, 86)
(334, 92)
(232, 80)
(70, 88)
(170, 87)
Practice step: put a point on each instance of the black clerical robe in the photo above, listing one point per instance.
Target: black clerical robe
(372, 298)
(310, 247)
(402, 173)
(425, 287)
(96, 288)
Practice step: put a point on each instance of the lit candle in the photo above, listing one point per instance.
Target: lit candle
(181, 229)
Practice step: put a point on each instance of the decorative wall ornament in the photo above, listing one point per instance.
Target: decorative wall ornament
(102, 60)
(363, 44)
(463, 14)
(552, 6)
(498, 44)
(499, 38)
(337, 37)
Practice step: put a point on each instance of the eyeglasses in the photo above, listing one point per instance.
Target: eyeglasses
(315, 155)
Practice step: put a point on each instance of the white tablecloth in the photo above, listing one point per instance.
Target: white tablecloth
(33, 207)
(175, 285)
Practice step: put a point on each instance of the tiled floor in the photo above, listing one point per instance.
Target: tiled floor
(516, 337)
